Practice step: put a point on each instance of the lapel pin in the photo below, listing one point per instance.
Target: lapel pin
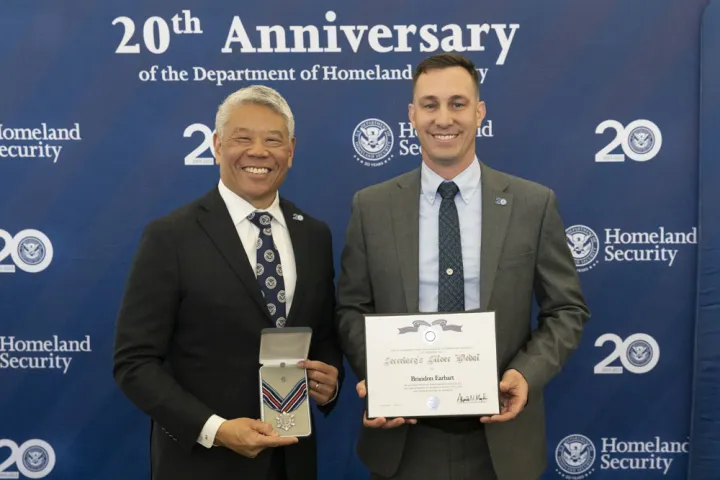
(500, 201)
(297, 217)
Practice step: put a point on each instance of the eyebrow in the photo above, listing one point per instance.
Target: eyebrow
(247, 130)
(433, 97)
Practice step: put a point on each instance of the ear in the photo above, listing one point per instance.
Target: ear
(216, 148)
(292, 152)
(411, 114)
(480, 113)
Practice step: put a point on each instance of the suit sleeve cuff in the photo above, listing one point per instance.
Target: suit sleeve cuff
(207, 434)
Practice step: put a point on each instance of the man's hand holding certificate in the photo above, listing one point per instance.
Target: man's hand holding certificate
(433, 365)
(514, 391)
(380, 422)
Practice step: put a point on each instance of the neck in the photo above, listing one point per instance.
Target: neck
(451, 169)
(260, 203)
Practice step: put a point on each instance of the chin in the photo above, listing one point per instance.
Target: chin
(258, 194)
(445, 159)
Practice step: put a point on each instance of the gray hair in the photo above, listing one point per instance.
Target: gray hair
(258, 94)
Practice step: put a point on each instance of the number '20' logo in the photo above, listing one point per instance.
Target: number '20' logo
(194, 158)
(638, 353)
(33, 459)
(641, 141)
(31, 251)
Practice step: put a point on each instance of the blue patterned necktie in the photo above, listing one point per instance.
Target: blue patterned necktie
(451, 282)
(268, 269)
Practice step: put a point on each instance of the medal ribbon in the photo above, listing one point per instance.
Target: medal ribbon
(290, 403)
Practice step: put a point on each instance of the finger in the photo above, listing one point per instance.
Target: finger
(394, 423)
(316, 376)
(263, 427)
(504, 403)
(277, 441)
(319, 366)
(319, 398)
(516, 405)
(505, 386)
(361, 390)
(409, 420)
(326, 390)
(274, 433)
(374, 423)
(503, 417)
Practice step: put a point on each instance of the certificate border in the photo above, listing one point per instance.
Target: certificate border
(497, 364)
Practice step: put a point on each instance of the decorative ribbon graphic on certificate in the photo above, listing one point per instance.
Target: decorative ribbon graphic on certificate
(285, 405)
(419, 323)
(428, 330)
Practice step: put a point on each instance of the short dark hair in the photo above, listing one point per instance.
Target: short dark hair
(447, 60)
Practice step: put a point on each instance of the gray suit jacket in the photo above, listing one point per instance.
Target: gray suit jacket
(523, 252)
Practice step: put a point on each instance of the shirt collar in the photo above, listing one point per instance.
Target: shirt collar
(240, 208)
(467, 181)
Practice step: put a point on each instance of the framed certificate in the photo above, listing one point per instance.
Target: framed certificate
(431, 365)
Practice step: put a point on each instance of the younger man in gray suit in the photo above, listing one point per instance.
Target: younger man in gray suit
(456, 235)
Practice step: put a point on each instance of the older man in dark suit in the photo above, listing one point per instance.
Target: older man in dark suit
(207, 278)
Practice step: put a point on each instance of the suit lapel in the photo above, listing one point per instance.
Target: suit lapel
(496, 209)
(405, 205)
(214, 218)
(302, 244)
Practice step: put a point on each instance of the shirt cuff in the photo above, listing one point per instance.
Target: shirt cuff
(207, 435)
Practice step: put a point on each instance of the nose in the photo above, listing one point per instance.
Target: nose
(443, 118)
(257, 149)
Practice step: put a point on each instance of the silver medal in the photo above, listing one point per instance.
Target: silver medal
(285, 421)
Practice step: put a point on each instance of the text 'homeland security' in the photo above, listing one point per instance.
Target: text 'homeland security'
(42, 353)
(656, 250)
(620, 455)
(18, 136)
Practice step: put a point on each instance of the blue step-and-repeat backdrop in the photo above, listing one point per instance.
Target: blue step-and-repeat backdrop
(106, 118)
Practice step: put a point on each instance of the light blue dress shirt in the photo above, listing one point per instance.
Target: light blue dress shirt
(469, 207)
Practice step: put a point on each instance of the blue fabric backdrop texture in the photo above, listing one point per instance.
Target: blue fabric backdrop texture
(106, 115)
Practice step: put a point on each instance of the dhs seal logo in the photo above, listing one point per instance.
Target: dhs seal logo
(639, 353)
(641, 140)
(31, 250)
(36, 458)
(575, 456)
(584, 245)
(373, 141)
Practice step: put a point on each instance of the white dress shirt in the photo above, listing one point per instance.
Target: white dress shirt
(239, 210)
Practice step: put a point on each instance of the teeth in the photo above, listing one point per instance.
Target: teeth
(445, 137)
(256, 170)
